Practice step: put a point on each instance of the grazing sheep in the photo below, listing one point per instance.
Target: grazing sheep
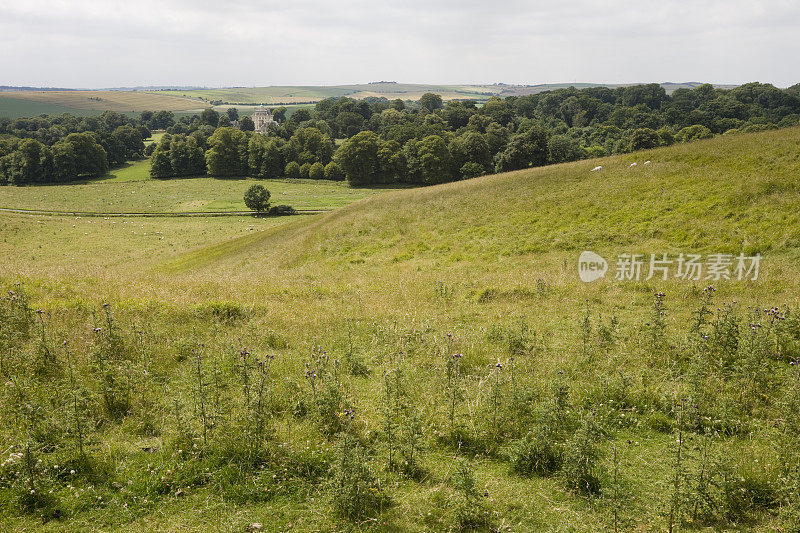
(633, 164)
(596, 168)
(647, 162)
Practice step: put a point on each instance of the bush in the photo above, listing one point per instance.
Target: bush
(222, 311)
(472, 170)
(317, 171)
(356, 491)
(281, 210)
(292, 170)
(471, 512)
(538, 453)
(693, 133)
(333, 171)
(580, 461)
(305, 168)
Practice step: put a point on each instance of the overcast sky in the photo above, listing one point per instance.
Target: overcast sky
(110, 43)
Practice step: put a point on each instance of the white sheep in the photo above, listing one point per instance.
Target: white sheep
(596, 168)
(647, 162)
(632, 164)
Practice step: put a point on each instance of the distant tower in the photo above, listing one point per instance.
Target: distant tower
(262, 119)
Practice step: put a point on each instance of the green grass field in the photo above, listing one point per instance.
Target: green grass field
(288, 95)
(390, 287)
(130, 189)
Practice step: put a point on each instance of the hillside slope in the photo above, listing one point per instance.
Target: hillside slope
(724, 195)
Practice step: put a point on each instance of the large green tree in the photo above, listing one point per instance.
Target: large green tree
(256, 198)
(227, 153)
(525, 149)
(265, 156)
(358, 158)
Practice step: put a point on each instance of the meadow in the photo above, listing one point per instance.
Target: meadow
(415, 360)
(288, 95)
(129, 189)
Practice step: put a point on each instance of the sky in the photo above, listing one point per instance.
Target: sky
(111, 43)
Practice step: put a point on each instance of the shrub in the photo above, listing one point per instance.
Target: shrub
(281, 210)
(333, 171)
(316, 171)
(471, 511)
(538, 453)
(693, 133)
(356, 491)
(292, 170)
(580, 460)
(305, 168)
(472, 170)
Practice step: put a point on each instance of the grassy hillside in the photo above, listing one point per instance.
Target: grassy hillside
(30, 103)
(728, 195)
(434, 361)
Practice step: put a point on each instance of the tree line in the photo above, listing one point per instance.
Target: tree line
(382, 141)
(427, 141)
(57, 149)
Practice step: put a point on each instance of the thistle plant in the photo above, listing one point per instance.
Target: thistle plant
(701, 317)
(657, 327)
(78, 405)
(586, 331)
(200, 396)
(453, 390)
(46, 363)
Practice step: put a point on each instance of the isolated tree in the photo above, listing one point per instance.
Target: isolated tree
(233, 114)
(256, 198)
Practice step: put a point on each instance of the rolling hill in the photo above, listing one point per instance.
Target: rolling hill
(448, 318)
(730, 194)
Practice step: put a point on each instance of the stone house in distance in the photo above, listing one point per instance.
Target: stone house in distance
(262, 119)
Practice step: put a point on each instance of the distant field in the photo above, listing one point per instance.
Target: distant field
(288, 95)
(13, 107)
(14, 104)
(130, 189)
(406, 91)
(188, 102)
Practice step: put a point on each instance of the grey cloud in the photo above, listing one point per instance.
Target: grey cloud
(89, 43)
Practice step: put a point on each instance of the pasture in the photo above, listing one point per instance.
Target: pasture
(130, 189)
(445, 322)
